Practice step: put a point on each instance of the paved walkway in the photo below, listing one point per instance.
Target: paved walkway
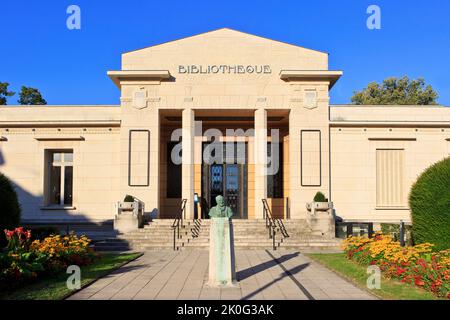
(262, 274)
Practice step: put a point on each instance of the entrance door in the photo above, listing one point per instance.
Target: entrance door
(228, 180)
(232, 187)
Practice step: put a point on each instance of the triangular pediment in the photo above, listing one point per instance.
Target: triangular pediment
(225, 33)
(224, 46)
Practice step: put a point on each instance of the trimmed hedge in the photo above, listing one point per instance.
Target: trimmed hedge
(429, 201)
(9, 208)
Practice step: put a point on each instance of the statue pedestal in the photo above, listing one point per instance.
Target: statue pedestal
(222, 269)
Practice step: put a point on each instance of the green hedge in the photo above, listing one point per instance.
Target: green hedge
(9, 208)
(429, 201)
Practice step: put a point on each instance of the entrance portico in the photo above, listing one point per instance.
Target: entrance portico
(224, 161)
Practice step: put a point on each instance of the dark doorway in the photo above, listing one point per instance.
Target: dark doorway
(227, 178)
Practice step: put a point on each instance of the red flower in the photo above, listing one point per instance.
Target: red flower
(421, 262)
(9, 234)
(418, 281)
(435, 285)
(400, 271)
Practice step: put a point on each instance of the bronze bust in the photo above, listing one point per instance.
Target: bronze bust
(220, 210)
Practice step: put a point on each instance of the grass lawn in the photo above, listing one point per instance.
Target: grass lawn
(390, 289)
(55, 288)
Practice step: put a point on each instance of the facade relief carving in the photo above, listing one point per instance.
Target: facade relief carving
(139, 100)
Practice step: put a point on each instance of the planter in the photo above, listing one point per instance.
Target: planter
(320, 219)
(129, 216)
(126, 206)
(319, 206)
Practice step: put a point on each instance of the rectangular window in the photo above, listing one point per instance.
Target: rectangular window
(275, 181)
(173, 187)
(390, 177)
(59, 189)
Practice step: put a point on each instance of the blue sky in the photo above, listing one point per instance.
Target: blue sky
(69, 66)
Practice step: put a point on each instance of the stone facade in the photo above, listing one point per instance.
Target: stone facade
(227, 80)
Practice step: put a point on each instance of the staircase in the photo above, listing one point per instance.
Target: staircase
(248, 234)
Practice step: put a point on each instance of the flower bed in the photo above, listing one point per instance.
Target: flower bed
(23, 260)
(417, 265)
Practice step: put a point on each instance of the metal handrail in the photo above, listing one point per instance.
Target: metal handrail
(288, 211)
(270, 222)
(177, 222)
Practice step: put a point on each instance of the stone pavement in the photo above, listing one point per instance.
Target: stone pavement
(262, 274)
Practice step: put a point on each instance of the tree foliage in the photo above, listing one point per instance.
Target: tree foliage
(9, 207)
(402, 91)
(30, 96)
(429, 201)
(4, 93)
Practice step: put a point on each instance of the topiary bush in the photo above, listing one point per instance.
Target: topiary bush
(320, 197)
(9, 208)
(429, 201)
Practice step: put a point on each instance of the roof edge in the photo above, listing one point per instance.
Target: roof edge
(224, 28)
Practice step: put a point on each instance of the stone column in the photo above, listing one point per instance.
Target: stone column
(187, 187)
(296, 204)
(260, 158)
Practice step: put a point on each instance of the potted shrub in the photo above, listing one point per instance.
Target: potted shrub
(128, 203)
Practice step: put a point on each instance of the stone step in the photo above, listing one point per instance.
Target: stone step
(113, 249)
(236, 225)
(236, 232)
(112, 246)
(158, 234)
(206, 236)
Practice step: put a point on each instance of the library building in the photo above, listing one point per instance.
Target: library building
(221, 113)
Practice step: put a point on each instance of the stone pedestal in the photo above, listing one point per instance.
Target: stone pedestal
(320, 219)
(222, 269)
(129, 216)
